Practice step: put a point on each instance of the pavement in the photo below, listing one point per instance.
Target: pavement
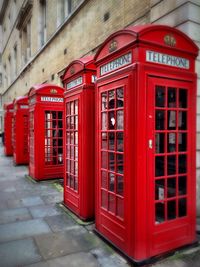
(36, 232)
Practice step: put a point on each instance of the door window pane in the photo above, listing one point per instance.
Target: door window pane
(171, 120)
(160, 120)
(120, 141)
(112, 120)
(120, 207)
(171, 138)
(104, 101)
(183, 98)
(182, 207)
(111, 161)
(104, 160)
(104, 179)
(120, 97)
(182, 142)
(171, 209)
(111, 141)
(120, 163)
(171, 97)
(104, 199)
(182, 164)
(111, 203)
(104, 121)
(111, 182)
(160, 212)
(182, 120)
(111, 99)
(159, 166)
(104, 140)
(171, 165)
(171, 187)
(182, 185)
(160, 189)
(160, 142)
(120, 119)
(120, 185)
(160, 96)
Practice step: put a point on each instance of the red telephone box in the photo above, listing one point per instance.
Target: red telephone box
(146, 117)
(8, 117)
(20, 130)
(78, 80)
(46, 132)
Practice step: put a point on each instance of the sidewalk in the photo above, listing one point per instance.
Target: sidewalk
(36, 232)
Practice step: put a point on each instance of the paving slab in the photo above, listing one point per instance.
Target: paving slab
(13, 215)
(21, 230)
(19, 253)
(32, 201)
(61, 222)
(63, 243)
(44, 211)
(81, 259)
(52, 199)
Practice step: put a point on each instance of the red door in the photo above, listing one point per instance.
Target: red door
(171, 161)
(112, 179)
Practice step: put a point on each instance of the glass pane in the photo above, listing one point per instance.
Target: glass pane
(160, 212)
(160, 189)
(171, 97)
(182, 120)
(160, 96)
(104, 179)
(104, 121)
(72, 167)
(171, 187)
(76, 183)
(183, 98)
(120, 119)
(72, 181)
(76, 168)
(120, 163)
(160, 142)
(104, 101)
(104, 160)
(171, 165)
(120, 97)
(171, 209)
(72, 152)
(76, 152)
(54, 114)
(71, 108)
(112, 121)
(120, 141)
(159, 166)
(120, 207)
(182, 141)
(111, 182)
(72, 122)
(111, 161)
(182, 185)
(111, 203)
(76, 107)
(68, 151)
(104, 140)
(182, 164)
(171, 139)
(72, 138)
(111, 141)
(111, 97)
(160, 120)
(171, 120)
(76, 123)
(104, 199)
(68, 122)
(68, 180)
(120, 185)
(76, 138)
(182, 207)
(60, 114)
(68, 108)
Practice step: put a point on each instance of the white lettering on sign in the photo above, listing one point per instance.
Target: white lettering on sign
(169, 60)
(51, 99)
(75, 82)
(24, 106)
(117, 63)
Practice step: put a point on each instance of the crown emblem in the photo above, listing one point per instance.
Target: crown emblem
(170, 40)
(53, 91)
(113, 46)
(72, 70)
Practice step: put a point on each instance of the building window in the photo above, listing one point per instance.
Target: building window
(26, 42)
(5, 76)
(15, 61)
(1, 79)
(42, 23)
(64, 8)
(9, 69)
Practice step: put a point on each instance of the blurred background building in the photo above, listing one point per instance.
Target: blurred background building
(39, 38)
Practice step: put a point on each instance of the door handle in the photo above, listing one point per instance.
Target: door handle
(150, 143)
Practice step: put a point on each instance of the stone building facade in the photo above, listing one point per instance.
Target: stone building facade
(40, 37)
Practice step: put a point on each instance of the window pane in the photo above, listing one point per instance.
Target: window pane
(104, 121)
(120, 119)
(120, 163)
(183, 98)
(171, 138)
(182, 164)
(112, 121)
(160, 212)
(171, 97)
(182, 120)
(111, 182)
(182, 141)
(182, 207)
(76, 107)
(104, 179)
(120, 97)
(171, 187)
(171, 209)
(171, 165)
(72, 108)
(160, 189)
(104, 199)
(104, 101)
(111, 97)
(159, 166)
(111, 141)
(111, 161)
(76, 183)
(104, 140)
(120, 185)
(120, 141)
(120, 207)
(160, 96)
(111, 203)
(182, 185)
(171, 120)
(104, 160)
(160, 142)
(160, 120)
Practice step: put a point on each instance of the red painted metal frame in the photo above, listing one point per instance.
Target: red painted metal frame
(20, 130)
(79, 197)
(8, 117)
(40, 108)
(137, 234)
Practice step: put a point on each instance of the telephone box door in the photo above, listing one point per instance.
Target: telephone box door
(170, 128)
(112, 181)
